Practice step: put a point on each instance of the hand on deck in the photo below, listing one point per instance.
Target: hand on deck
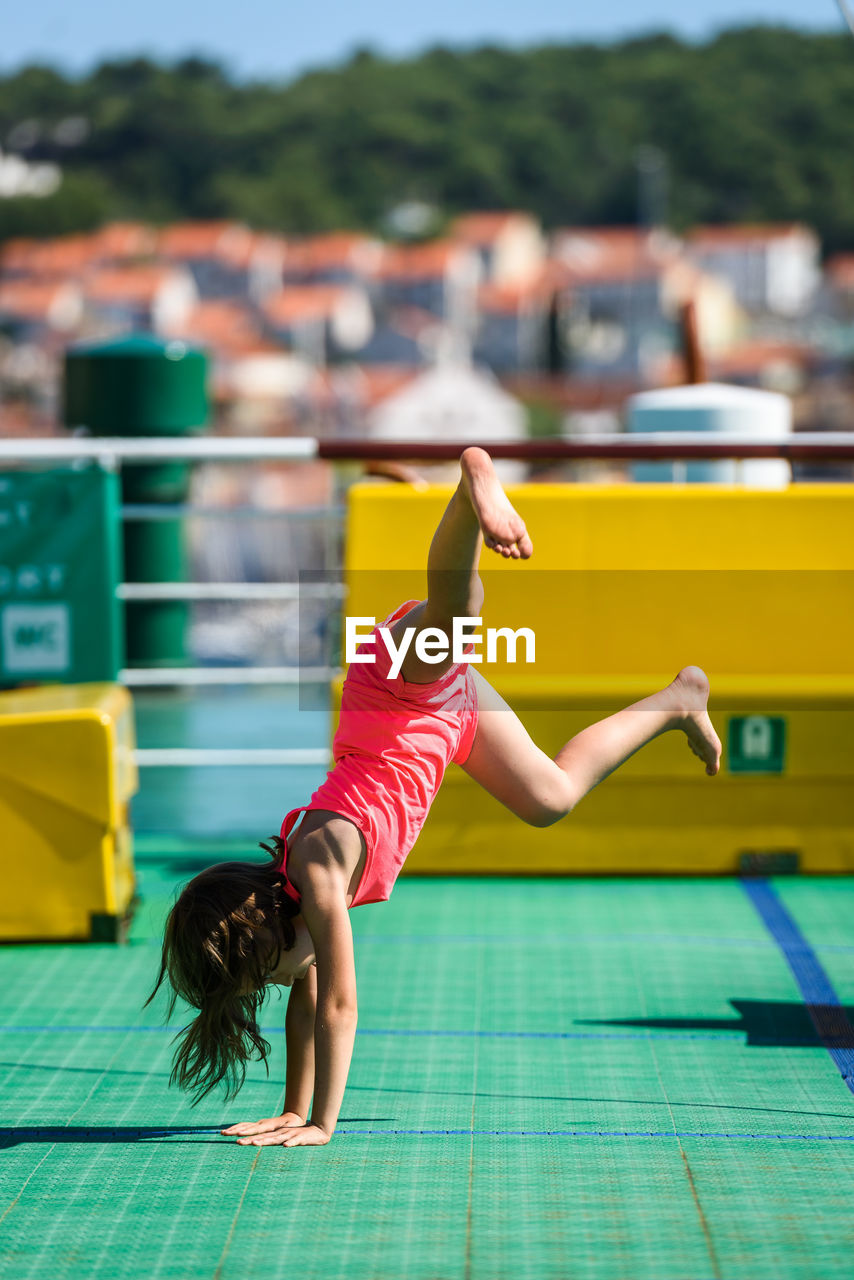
(254, 1128)
(288, 1130)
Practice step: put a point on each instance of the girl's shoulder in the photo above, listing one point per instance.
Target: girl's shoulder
(400, 612)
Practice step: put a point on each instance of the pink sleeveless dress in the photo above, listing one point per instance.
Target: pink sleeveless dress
(393, 744)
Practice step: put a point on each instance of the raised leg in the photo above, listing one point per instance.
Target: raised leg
(539, 790)
(478, 512)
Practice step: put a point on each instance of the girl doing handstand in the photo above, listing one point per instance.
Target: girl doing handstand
(238, 927)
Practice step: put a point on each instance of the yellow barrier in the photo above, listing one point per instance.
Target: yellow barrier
(66, 778)
(626, 586)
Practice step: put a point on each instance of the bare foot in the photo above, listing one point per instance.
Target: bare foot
(502, 527)
(692, 687)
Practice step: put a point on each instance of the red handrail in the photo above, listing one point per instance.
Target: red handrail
(797, 448)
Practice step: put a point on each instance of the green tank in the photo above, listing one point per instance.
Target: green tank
(137, 386)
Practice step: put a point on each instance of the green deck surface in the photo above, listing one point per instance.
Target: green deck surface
(552, 1078)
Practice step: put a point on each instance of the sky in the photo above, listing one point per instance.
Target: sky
(277, 39)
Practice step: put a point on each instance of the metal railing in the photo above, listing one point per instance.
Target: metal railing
(116, 452)
(824, 446)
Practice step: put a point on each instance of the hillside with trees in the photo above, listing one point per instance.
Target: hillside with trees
(755, 125)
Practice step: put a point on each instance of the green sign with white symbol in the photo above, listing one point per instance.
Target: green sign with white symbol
(756, 744)
(60, 548)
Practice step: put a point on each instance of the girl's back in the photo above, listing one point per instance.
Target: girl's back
(394, 741)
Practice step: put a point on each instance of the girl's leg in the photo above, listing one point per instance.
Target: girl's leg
(511, 767)
(478, 512)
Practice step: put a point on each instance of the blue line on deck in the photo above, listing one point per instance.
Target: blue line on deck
(822, 1003)
(82, 1133)
(591, 1133)
(392, 1031)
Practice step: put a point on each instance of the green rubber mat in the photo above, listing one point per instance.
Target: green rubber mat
(552, 1078)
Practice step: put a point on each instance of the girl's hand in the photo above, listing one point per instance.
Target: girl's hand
(250, 1128)
(293, 1135)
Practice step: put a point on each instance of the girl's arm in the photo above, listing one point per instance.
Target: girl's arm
(324, 909)
(299, 1040)
(299, 1077)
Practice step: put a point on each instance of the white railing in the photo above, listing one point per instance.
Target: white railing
(173, 677)
(168, 757)
(115, 452)
(229, 591)
(111, 451)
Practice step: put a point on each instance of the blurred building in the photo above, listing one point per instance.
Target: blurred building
(439, 277)
(155, 298)
(623, 288)
(320, 321)
(772, 268)
(450, 402)
(515, 324)
(225, 259)
(341, 257)
(839, 286)
(510, 245)
(341, 333)
(34, 311)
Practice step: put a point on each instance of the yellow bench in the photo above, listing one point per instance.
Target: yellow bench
(627, 585)
(67, 774)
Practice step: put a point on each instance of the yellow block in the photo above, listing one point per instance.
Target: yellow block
(66, 777)
(627, 585)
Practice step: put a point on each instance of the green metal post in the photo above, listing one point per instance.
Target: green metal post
(143, 386)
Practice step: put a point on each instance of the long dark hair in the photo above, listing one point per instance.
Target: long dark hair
(223, 936)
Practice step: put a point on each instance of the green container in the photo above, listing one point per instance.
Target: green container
(143, 386)
(60, 620)
(135, 386)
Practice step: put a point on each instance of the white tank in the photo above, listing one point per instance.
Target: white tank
(717, 408)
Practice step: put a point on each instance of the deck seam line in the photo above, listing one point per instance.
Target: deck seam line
(225, 1248)
(467, 1271)
(704, 1224)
